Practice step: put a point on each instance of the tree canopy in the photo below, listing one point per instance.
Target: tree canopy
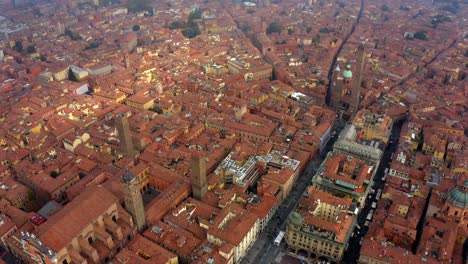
(195, 14)
(325, 30)
(18, 46)
(176, 25)
(422, 35)
(93, 45)
(191, 32)
(54, 174)
(31, 49)
(191, 29)
(72, 35)
(274, 28)
(385, 8)
(138, 5)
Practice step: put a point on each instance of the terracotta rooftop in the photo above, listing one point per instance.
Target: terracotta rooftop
(63, 226)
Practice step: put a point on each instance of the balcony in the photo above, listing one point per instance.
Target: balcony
(113, 228)
(103, 236)
(76, 257)
(88, 250)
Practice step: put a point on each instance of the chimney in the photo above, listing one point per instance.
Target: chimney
(261, 166)
(260, 189)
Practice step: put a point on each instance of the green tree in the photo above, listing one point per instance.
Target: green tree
(68, 32)
(325, 30)
(274, 28)
(175, 25)
(93, 45)
(290, 31)
(385, 8)
(31, 195)
(404, 8)
(36, 12)
(72, 35)
(107, 2)
(43, 58)
(54, 174)
(421, 35)
(138, 5)
(191, 32)
(309, 29)
(136, 27)
(195, 14)
(191, 29)
(439, 19)
(453, 8)
(76, 37)
(317, 38)
(31, 49)
(81, 175)
(245, 28)
(18, 46)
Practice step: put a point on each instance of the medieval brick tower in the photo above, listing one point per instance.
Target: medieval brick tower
(337, 89)
(199, 185)
(356, 91)
(125, 136)
(133, 200)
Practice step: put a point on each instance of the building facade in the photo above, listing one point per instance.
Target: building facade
(320, 226)
(81, 232)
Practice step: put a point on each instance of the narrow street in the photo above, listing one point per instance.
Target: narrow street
(263, 250)
(332, 66)
(263, 247)
(410, 75)
(352, 253)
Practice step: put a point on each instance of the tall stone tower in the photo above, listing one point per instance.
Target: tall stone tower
(127, 61)
(337, 88)
(356, 92)
(125, 136)
(133, 200)
(199, 185)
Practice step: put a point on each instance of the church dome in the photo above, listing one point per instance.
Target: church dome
(458, 196)
(347, 72)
